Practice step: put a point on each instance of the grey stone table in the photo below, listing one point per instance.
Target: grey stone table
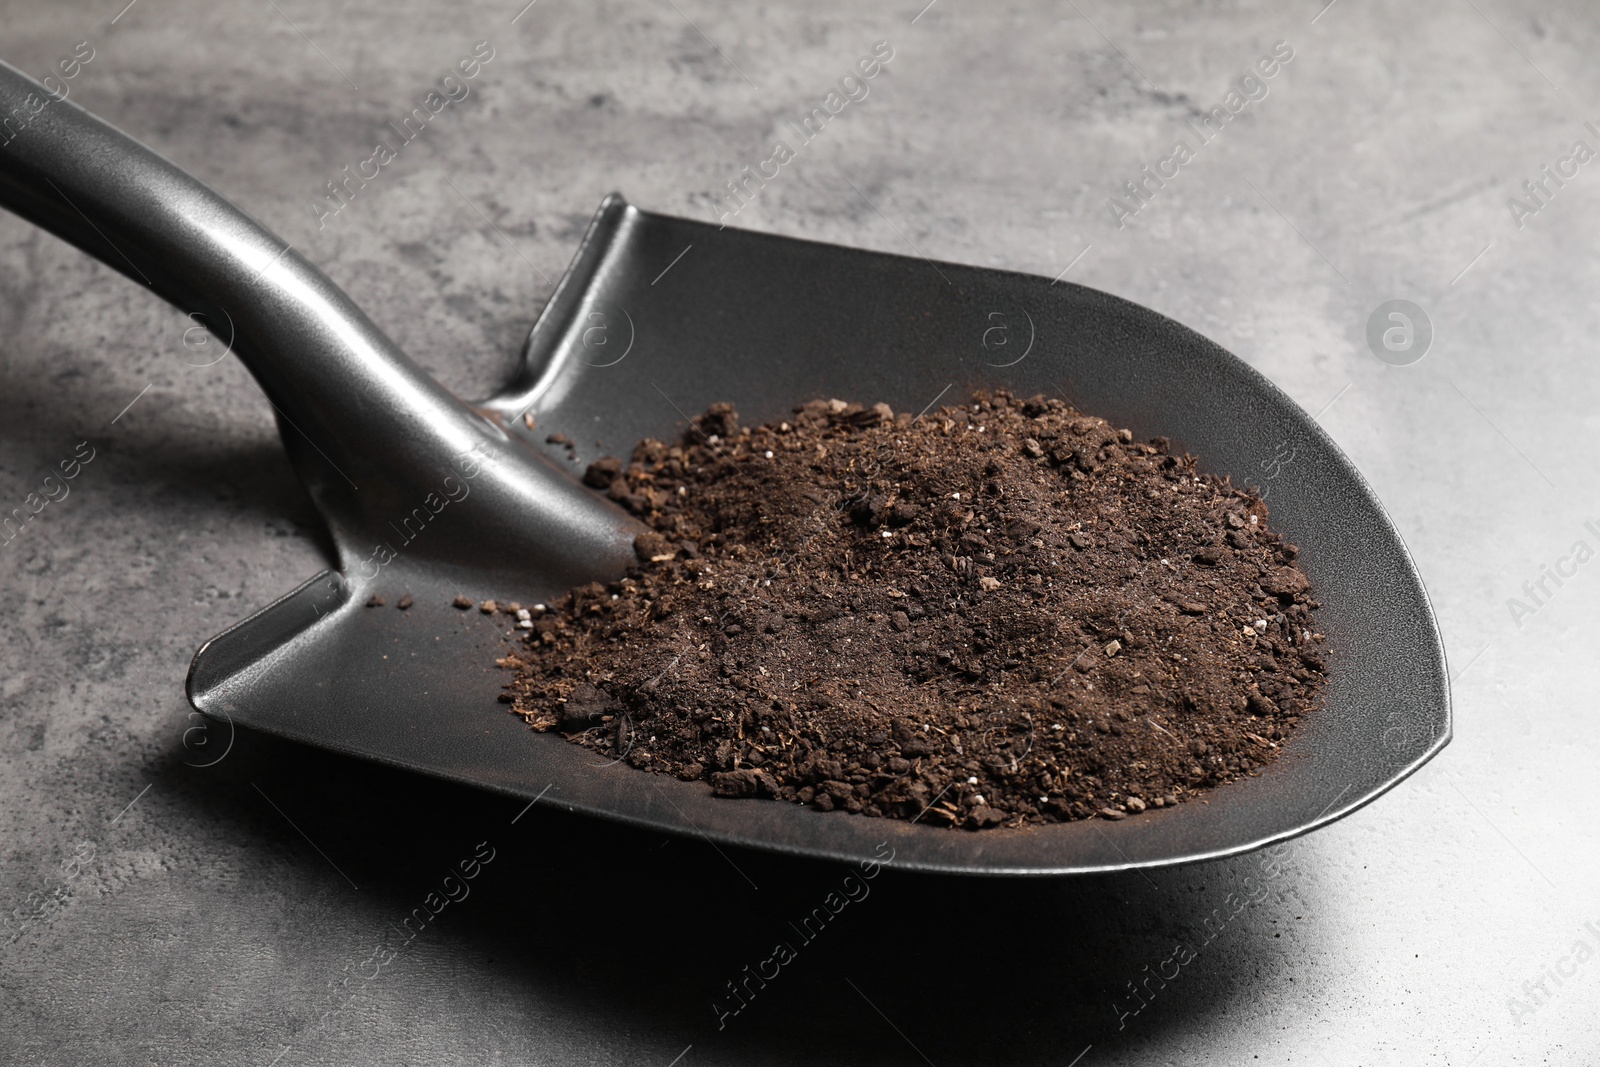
(160, 912)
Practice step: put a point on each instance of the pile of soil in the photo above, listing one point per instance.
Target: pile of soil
(1007, 612)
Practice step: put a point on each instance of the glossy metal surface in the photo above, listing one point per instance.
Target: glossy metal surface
(658, 317)
(370, 433)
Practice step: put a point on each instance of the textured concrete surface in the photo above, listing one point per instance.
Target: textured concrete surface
(154, 911)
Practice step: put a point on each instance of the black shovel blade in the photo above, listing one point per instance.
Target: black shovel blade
(659, 317)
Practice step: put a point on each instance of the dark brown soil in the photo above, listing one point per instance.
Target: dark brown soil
(1001, 613)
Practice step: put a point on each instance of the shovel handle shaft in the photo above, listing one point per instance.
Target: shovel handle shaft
(370, 433)
(305, 341)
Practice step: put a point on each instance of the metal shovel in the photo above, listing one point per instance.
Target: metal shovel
(430, 496)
